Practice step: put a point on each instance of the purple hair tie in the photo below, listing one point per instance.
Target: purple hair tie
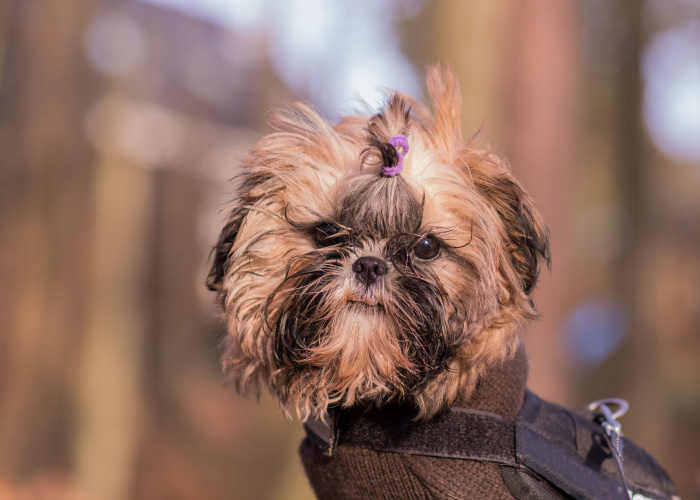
(398, 141)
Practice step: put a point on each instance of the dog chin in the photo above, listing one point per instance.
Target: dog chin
(363, 346)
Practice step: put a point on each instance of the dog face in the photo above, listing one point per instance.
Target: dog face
(344, 284)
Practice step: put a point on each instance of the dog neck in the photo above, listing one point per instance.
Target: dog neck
(501, 389)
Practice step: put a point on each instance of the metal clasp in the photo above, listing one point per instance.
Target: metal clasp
(610, 423)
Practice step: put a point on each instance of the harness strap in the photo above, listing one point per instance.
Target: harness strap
(557, 466)
(459, 433)
(549, 452)
(455, 433)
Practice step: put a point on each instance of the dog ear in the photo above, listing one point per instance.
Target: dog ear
(222, 249)
(525, 232)
(248, 193)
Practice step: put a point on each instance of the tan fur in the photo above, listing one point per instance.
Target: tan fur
(295, 179)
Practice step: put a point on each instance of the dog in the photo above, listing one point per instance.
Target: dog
(375, 275)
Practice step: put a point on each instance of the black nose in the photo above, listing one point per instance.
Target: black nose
(368, 269)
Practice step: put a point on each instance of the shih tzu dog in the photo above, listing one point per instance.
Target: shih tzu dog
(374, 276)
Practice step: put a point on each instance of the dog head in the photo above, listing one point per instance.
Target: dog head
(344, 281)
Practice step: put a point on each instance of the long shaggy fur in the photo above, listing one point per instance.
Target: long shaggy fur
(298, 320)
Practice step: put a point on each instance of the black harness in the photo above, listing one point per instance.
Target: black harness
(548, 452)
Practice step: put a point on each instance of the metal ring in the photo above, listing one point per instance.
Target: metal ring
(622, 405)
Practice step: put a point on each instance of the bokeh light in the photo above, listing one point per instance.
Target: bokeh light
(116, 44)
(595, 329)
(671, 68)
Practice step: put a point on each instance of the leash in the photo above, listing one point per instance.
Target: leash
(613, 432)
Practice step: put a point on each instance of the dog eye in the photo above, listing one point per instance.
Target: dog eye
(426, 249)
(327, 234)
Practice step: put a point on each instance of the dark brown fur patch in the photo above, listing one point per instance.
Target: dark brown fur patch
(527, 236)
(380, 206)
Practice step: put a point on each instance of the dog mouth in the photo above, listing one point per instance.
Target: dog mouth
(367, 298)
(367, 301)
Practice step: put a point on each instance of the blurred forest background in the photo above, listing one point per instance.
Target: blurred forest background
(122, 121)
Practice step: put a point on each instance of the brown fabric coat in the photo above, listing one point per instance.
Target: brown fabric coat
(362, 474)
